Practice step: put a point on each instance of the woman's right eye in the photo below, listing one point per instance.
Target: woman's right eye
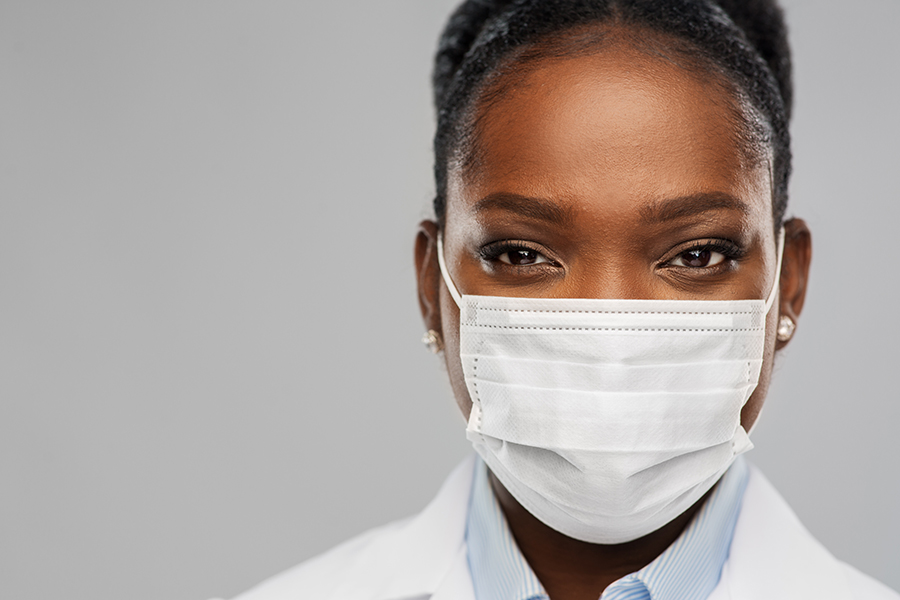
(522, 257)
(516, 254)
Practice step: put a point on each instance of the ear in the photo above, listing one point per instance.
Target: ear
(428, 275)
(794, 270)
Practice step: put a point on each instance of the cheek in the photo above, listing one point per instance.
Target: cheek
(751, 411)
(450, 333)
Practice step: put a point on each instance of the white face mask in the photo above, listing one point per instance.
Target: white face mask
(606, 419)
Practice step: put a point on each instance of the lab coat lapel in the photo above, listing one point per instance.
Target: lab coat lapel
(773, 557)
(457, 585)
(426, 554)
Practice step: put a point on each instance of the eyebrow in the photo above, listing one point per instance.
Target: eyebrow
(526, 206)
(691, 205)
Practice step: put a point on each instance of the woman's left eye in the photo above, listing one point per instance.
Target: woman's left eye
(698, 258)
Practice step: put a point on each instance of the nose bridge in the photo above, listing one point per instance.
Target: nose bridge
(613, 274)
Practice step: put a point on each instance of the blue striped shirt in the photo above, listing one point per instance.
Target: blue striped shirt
(689, 569)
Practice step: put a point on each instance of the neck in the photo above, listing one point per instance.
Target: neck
(570, 569)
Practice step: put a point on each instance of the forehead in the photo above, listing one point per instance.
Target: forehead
(618, 128)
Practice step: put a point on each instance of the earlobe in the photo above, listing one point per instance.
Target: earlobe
(428, 277)
(794, 275)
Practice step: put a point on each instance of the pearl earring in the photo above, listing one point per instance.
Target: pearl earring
(786, 328)
(433, 340)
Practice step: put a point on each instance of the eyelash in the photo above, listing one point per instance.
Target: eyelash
(493, 251)
(727, 248)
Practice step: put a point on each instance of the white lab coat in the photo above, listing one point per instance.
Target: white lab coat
(772, 557)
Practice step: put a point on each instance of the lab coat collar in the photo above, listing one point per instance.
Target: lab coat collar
(773, 556)
(433, 541)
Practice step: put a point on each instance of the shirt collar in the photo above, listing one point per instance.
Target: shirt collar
(689, 569)
(499, 570)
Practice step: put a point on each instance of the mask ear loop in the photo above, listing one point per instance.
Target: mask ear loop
(772, 294)
(769, 303)
(473, 424)
(446, 275)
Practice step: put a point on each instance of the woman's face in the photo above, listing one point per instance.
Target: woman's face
(618, 175)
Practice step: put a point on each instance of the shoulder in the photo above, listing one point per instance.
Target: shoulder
(773, 556)
(863, 587)
(322, 576)
(403, 559)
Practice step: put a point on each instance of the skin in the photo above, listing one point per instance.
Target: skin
(607, 169)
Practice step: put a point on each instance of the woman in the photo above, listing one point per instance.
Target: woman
(608, 278)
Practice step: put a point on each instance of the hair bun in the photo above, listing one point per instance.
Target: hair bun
(762, 22)
(460, 33)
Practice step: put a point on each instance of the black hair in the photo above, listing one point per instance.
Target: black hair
(744, 41)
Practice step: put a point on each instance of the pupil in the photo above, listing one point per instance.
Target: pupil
(522, 257)
(696, 258)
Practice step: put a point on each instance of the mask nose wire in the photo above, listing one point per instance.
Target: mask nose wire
(445, 274)
(454, 293)
(772, 294)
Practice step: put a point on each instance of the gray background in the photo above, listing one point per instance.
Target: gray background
(209, 356)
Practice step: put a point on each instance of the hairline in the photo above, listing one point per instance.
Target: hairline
(751, 131)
